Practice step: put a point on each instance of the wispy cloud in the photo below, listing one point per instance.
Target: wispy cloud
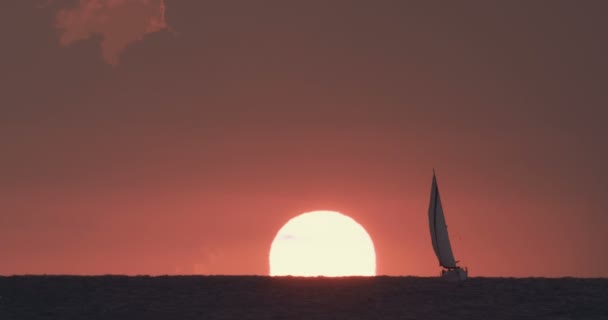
(286, 237)
(119, 22)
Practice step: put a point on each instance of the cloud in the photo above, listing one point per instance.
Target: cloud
(204, 263)
(119, 22)
(287, 237)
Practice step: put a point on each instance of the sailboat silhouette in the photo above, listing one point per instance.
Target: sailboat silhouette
(440, 238)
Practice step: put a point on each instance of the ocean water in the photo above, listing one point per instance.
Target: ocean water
(257, 297)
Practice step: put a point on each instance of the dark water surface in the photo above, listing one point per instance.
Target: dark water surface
(252, 297)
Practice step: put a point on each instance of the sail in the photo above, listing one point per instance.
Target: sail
(439, 229)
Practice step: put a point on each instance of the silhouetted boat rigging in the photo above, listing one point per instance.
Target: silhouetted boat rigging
(441, 240)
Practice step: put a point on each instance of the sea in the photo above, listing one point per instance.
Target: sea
(261, 297)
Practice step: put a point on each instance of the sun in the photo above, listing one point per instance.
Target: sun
(322, 243)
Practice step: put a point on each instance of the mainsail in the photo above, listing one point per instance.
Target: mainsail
(439, 230)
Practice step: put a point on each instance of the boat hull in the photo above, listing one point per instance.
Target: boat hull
(455, 275)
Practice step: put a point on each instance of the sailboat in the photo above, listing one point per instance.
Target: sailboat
(441, 240)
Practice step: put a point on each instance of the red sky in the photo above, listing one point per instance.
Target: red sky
(135, 149)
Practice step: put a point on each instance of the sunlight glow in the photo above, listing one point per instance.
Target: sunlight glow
(322, 243)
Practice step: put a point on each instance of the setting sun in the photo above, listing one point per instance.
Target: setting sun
(322, 243)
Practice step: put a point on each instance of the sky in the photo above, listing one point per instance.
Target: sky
(143, 140)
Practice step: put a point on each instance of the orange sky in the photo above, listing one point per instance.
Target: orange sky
(134, 149)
